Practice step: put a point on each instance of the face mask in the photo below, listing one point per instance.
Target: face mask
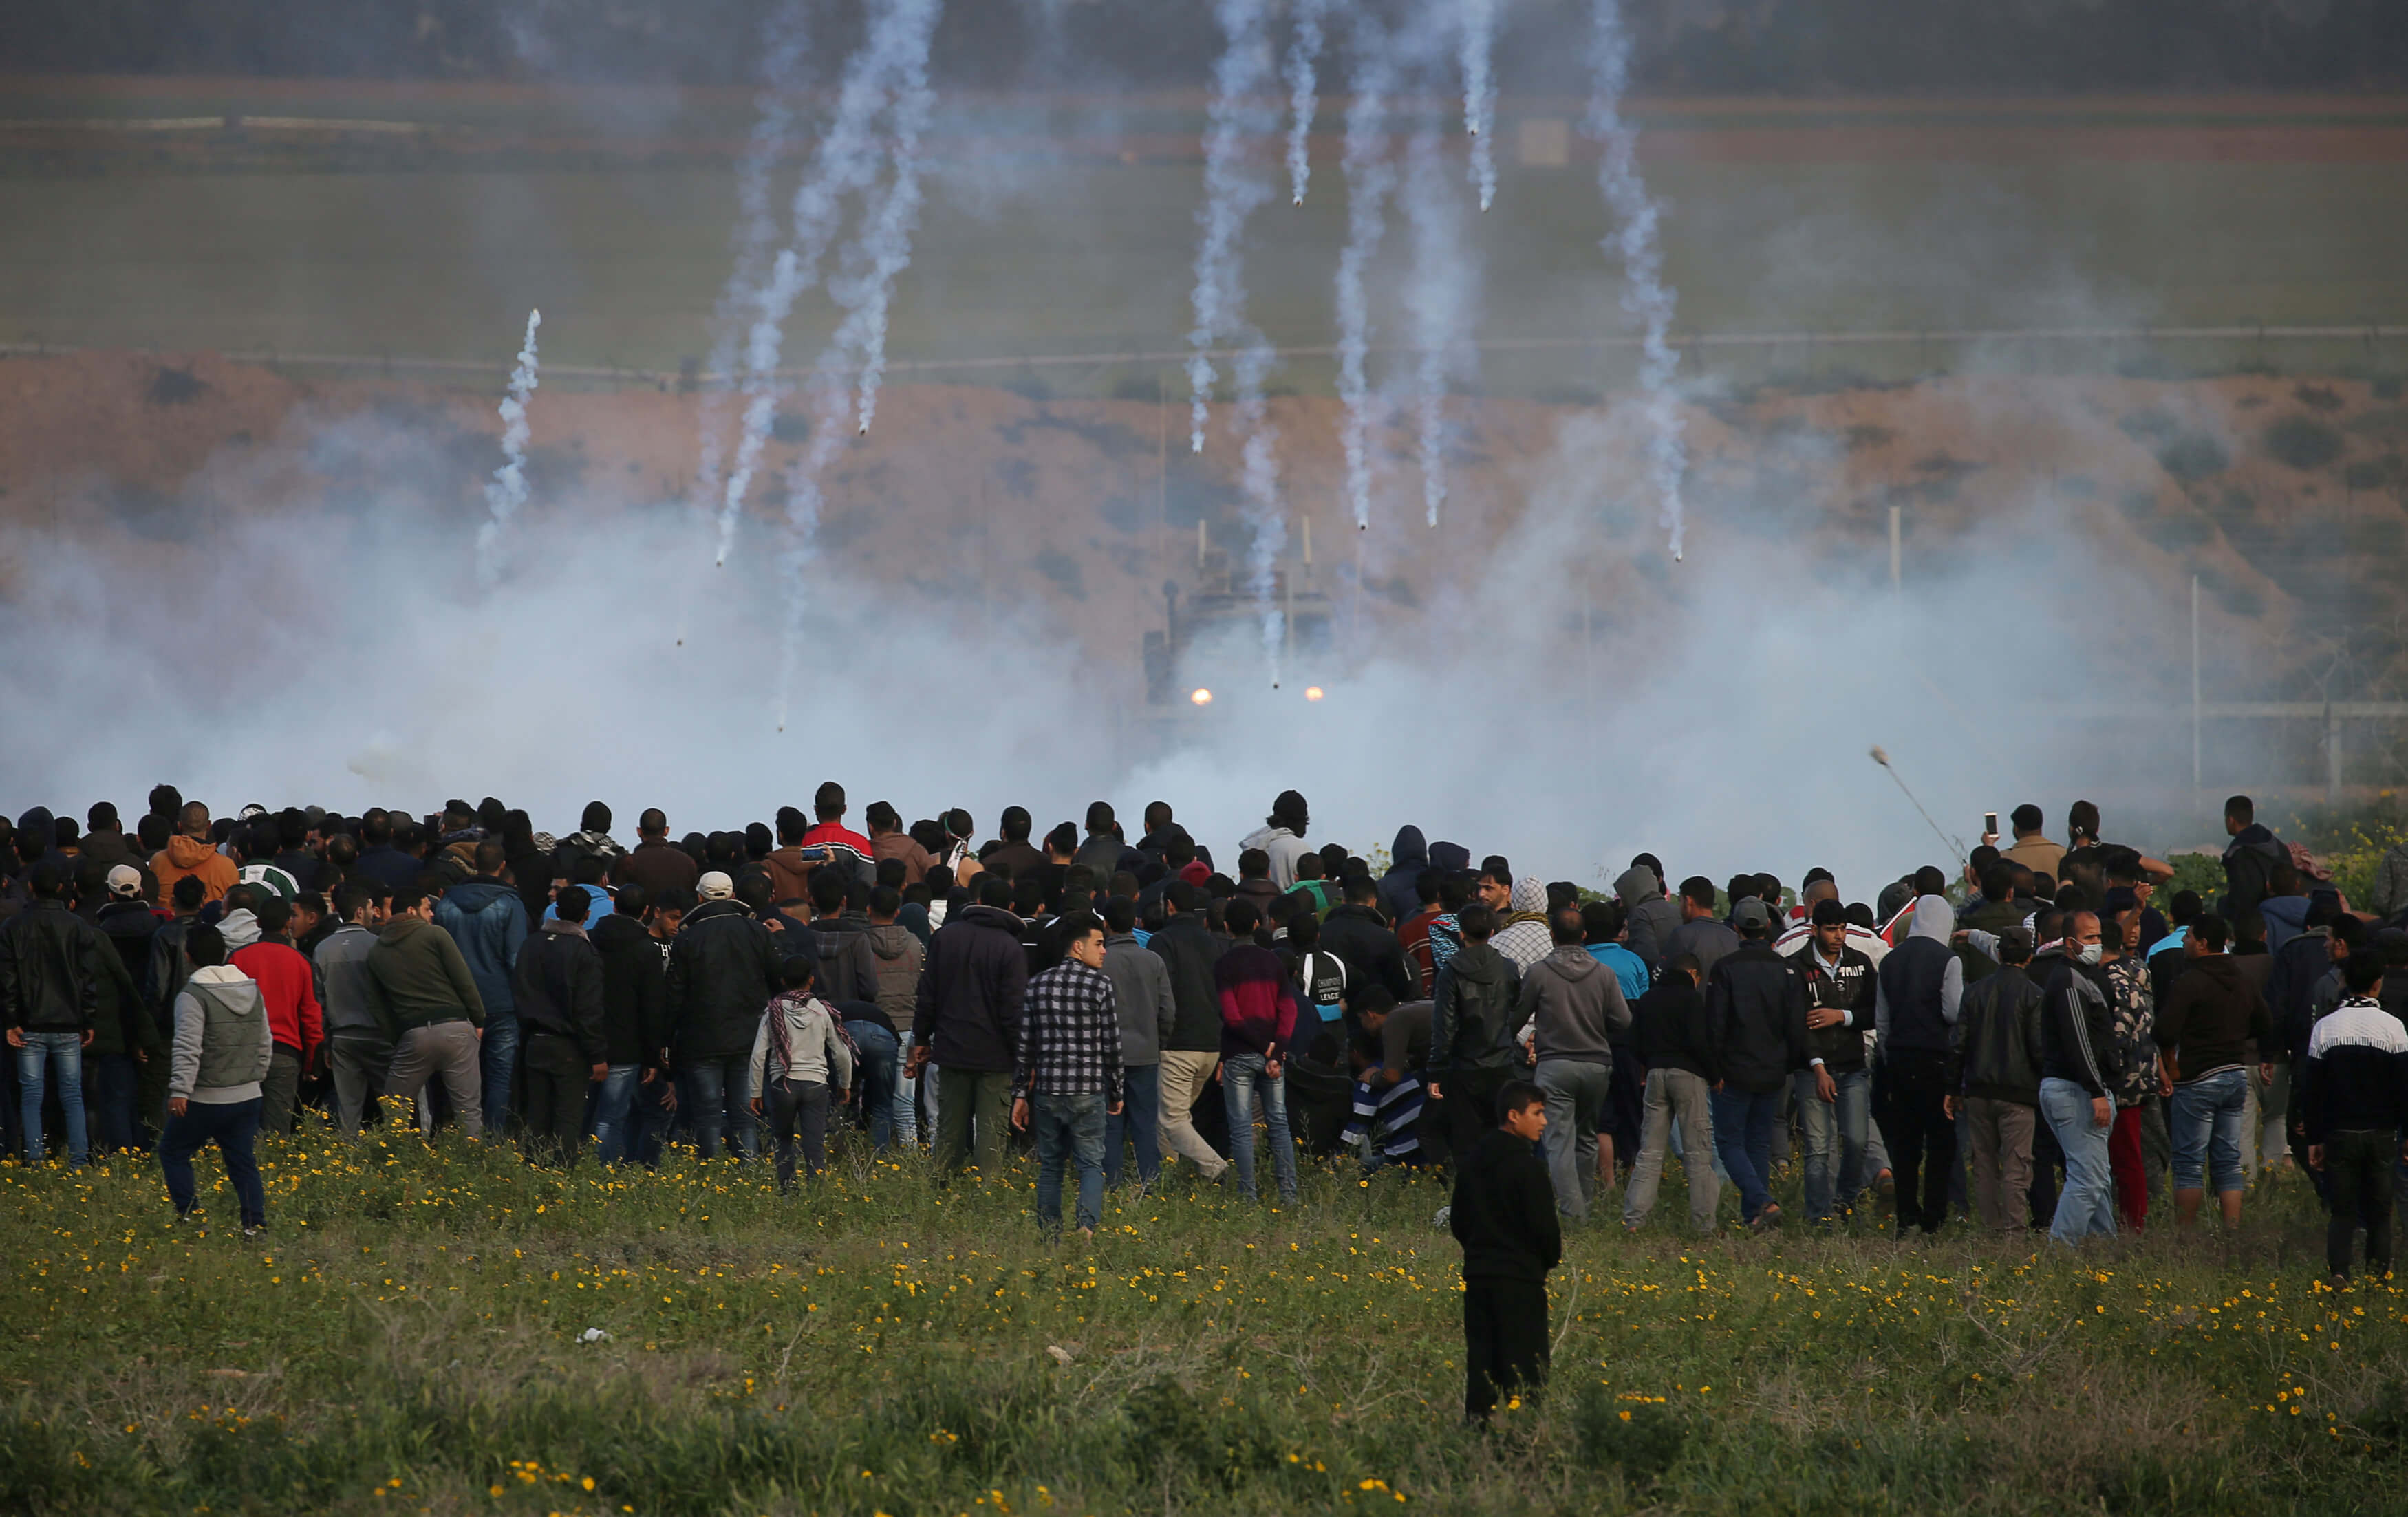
(2089, 953)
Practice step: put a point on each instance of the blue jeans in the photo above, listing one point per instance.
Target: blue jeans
(1139, 1121)
(231, 1127)
(1743, 1137)
(1067, 1127)
(907, 1093)
(115, 1078)
(498, 1062)
(1842, 1125)
(2206, 1119)
(614, 1110)
(719, 1094)
(874, 1078)
(1241, 1077)
(2087, 1203)
(61, 1056)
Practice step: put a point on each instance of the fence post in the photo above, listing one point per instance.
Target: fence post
(2332, 755)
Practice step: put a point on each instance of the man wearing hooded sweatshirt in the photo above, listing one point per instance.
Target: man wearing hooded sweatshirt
(2249, 859)
(2078, 1069)
(2000, 1028)
(1523, 935)
(1755, 1022)
(1575, 1006)
(2203, 1030)
(1834, 1093)
(1282, 837)
(1148, 1016)
(1472, 1050)
(1407, 856)
(420, 992)
(722, 968)
(557, 990)
(1920, 992)
(288, 984)
(1651, 918)
(487, 918)
(190, 851)
(1258, 1022)
(1192, 1051)
(897, 956)
(221, 1052)
(966, 1020)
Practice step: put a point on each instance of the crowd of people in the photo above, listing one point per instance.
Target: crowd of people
(2040, 1038)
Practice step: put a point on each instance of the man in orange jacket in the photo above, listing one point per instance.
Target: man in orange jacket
(190, 851)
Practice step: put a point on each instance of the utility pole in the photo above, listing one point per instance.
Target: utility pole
(2195, 797)
(1893, 551)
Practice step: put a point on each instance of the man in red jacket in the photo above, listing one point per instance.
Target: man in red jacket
(1257, 1020)
(288, 987)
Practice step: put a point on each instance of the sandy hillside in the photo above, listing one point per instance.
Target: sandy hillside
(2285, 495)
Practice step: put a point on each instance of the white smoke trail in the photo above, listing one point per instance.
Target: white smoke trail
(1231, 195)
(1303, 48)
(1370, 180)
(1266, 514)
(785, 37)
(887, 237)
(1439, 302)
(505, 492)
(859, 342)
(1644, 295)
(846, 161)
(1480, 95)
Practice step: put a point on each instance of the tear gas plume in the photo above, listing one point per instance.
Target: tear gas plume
(1715, 727)
(1232, 193)
(1371, 178)
(507, 490)
(1303, 54)
(845, 163)
(785, 43)
(1440, 300)
(886, 234)
(1479, 28)
(1645, 295)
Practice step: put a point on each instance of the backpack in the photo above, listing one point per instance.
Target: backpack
(1321, 976)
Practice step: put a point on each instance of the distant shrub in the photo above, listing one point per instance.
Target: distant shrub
(2302, 442)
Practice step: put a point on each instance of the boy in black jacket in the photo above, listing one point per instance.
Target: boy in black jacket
(2353, 1103)
(1504, 1216)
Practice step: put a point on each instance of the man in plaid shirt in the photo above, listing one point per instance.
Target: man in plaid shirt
(1068, 1072)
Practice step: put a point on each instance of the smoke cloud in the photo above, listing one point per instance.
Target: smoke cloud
(507, 489)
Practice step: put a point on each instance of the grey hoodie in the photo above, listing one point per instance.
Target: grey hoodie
(221, 1039)
(1935, 921)
(1651, 916)
(896, 954)
(1574, 1004)
(1141, 986)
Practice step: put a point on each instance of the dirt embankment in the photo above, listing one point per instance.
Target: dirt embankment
(2285, 495)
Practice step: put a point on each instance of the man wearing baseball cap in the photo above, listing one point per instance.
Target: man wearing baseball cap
(723, 969)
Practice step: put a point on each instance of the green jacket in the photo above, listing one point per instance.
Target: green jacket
(417, 976)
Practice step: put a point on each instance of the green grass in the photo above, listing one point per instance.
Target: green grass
(1019, 258)
(407, 1339)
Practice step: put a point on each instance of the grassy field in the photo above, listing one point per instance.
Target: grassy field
(407, 1337)
(1073, 232)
